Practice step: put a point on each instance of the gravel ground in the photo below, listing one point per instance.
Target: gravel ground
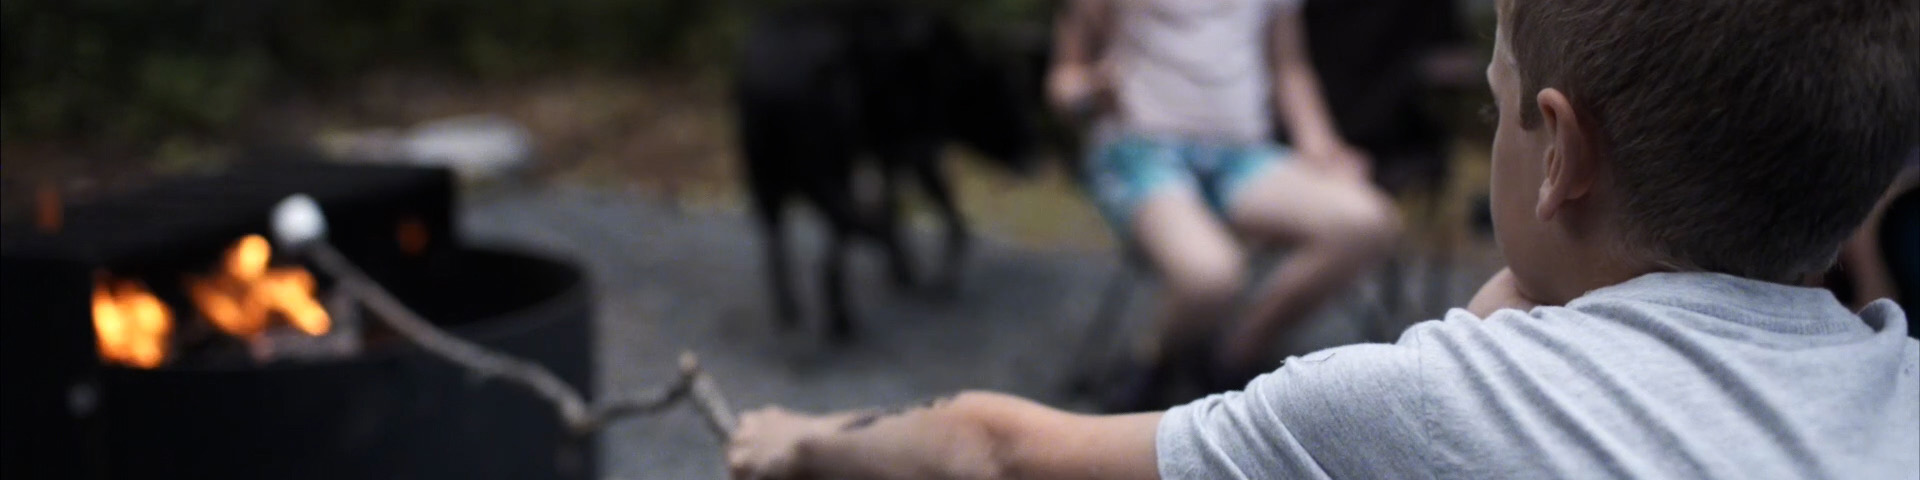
(669, 277)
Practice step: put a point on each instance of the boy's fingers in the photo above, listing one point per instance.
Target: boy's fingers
(743, 464)
(753, 419)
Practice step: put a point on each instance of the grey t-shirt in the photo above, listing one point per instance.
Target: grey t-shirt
(1193, 68)
(1670, 375)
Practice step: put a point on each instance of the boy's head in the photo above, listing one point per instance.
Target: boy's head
(1743, 137)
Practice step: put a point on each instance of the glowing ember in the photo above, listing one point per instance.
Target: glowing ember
(48, 212)
(243, 297)
(412, 236)
(131, 325)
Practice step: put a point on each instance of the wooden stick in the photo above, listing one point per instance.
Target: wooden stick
(579, 417)
(707, 398)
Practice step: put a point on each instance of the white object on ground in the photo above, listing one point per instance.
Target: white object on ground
(473, 146)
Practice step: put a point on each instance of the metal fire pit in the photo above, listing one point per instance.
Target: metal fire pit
(390, 412)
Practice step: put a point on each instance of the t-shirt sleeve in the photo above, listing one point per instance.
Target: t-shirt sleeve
(1350, 411)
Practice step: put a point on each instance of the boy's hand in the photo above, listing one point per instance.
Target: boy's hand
(766, 445)
(1501, 292)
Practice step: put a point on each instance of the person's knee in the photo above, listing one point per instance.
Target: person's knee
(1205, 281)
(1369, 227)
(1382, 223)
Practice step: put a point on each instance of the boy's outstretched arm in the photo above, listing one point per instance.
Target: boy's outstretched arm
(1298, 99)
(973, 435)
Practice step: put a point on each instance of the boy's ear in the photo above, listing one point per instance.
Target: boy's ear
(1571, 162)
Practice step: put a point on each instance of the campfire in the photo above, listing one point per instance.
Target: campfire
(246, 293)
(157, 334)
(242, 299)
(132, 325)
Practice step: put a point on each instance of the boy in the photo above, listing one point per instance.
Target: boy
(1180, 164)
(1663, 172)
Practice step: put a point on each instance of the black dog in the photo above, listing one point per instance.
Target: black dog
(825, 90)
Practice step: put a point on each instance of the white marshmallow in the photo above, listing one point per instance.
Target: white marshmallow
(297, 221)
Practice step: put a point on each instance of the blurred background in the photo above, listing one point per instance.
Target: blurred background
(603, 131)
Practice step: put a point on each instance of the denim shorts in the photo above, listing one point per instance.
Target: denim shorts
(1124, 172)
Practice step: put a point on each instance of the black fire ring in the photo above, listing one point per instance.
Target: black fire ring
(392, 412)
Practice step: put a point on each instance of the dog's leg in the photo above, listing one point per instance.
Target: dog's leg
(833, 279)
(959, 240)
(892, 233)
(878, 193)
(779, 277)
(847, 223)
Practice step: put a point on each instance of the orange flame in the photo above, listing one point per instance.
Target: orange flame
(247, 292)
(130, 325)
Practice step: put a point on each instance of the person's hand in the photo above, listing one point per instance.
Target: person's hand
(767, 443)
(1501, 292)
(1340, 160)
(1077, 92)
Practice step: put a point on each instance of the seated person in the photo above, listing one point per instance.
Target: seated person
(1181, 165)
(1664, 174)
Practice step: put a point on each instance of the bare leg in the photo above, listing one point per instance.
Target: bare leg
(1201, 270)
(1338, 227)
(1197, 258)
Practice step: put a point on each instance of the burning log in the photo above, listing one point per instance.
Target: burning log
(299, 226)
